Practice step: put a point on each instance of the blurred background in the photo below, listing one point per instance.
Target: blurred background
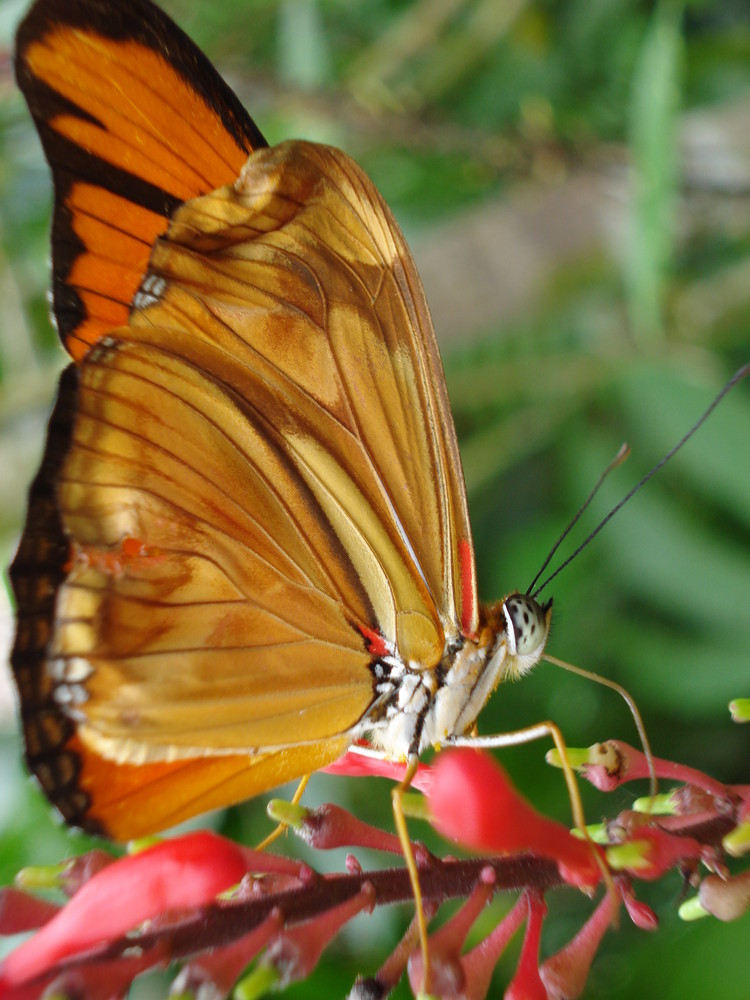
(574, 179)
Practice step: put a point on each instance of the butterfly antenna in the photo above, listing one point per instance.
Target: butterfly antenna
(619, 458)
(737, 377)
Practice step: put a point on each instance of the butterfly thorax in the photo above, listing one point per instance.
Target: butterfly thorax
(417, 709)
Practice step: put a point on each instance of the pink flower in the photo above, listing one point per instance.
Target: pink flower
(608, 765)
(473, 803)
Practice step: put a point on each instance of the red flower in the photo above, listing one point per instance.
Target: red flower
(176, 874)
(20, 911)
(527, 982)
(473, 803)
(649, 853)
(359, 764)
(564, 974)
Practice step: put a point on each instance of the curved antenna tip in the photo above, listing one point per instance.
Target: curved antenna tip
(622, 454)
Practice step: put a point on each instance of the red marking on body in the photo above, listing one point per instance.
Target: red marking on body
(468, 595)
(376, 644)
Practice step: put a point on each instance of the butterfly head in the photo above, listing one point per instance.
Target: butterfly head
(526, 629)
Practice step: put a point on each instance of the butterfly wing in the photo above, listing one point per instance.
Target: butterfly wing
(261, 496)
(134, 120)
(237, 485)
(103, 795)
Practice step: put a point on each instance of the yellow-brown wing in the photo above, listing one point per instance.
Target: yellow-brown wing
(258, 477)
(90, 609)
(134, 120)
(260, 495)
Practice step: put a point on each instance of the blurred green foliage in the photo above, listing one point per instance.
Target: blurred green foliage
(457, 108)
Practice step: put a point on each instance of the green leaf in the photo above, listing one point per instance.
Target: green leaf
(653, 140)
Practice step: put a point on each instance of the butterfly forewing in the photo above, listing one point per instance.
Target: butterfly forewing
(134, 121)
(248, 431)
(304, 278)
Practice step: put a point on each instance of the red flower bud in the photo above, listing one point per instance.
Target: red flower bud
(221, 967)
(652, 852)
(20, 911)
(80, 869)
(565, 973)
(610, 764)
(447, 976)
(466, 977)
(527, 982)
(473, 803)
(296, 952)
(329, 826)
(639, 912)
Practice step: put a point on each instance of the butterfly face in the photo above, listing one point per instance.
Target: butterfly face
(248, 542)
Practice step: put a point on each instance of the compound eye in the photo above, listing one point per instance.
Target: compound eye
(526, 624)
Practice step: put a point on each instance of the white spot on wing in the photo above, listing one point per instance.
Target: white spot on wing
(151, 290)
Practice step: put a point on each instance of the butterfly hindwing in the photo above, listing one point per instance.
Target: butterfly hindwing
(101, 793)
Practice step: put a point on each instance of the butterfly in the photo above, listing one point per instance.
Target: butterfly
(248, 543)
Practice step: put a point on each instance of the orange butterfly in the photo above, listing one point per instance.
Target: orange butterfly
(248, 543)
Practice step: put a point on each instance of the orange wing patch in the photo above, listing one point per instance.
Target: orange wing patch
(134, 120)
(127, 801)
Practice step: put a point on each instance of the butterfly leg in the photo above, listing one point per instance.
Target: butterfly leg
(411, 864)
(281, 827)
